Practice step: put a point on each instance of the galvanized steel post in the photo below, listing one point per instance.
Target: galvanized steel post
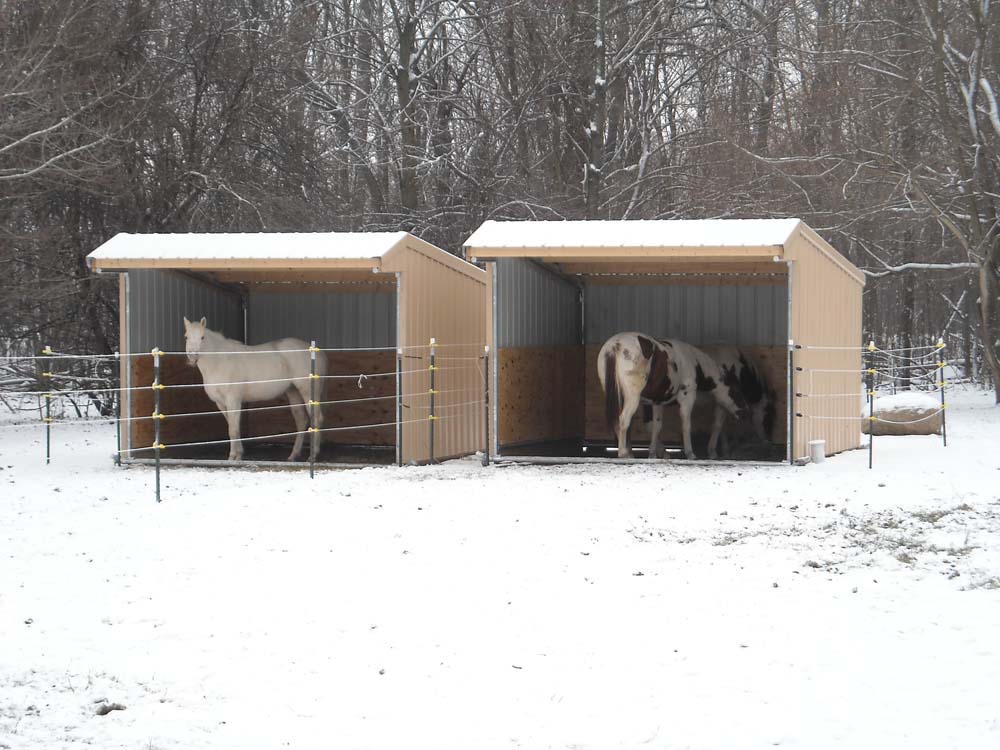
(486, 403)
(431, 417)
(791, 402)
(399, 407)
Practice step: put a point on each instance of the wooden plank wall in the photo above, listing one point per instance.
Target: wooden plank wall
(176, 371)
(772, 360)
(541, 394)
(344, 414)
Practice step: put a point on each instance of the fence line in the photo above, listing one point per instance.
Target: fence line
(125, 355)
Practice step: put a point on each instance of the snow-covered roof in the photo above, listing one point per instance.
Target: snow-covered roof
(684, 233)
(274, 246)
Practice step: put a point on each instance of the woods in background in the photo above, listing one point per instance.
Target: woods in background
(876, 122)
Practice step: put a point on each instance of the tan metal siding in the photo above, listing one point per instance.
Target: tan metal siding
(440, 301)
(826, 312)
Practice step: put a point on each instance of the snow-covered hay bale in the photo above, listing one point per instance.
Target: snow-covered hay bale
(907, 413)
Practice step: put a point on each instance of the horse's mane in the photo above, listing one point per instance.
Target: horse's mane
(220, 342)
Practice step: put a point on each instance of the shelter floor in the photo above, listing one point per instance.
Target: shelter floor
(377, 455)
(742, 451)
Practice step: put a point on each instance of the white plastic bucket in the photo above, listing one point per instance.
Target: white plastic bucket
(817, 451)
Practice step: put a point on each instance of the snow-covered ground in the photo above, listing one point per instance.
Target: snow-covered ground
(660, 605)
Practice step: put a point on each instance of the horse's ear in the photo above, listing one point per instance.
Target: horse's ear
(204, 322)
(187, 323)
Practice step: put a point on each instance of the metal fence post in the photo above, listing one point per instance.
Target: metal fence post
(118, 410)
(157, 416)
(486, 403)
(313, 433)
(431, 417)
(47, 376)
(870, 380)
(941, 363)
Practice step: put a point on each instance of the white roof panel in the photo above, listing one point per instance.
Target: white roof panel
(633, 234)
(248, 246)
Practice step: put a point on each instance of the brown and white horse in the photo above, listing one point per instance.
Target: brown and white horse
(634, 368)
(760, 399)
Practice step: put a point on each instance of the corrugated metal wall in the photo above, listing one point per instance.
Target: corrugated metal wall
(159, 300)
(826, 322)
(534, 307)
(751, 315)
(333, 319)
(437, 300)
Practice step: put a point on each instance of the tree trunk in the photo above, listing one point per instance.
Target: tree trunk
(406, 90)
(593, 170)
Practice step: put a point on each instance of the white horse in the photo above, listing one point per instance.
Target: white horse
(635, 368)
(281, 367)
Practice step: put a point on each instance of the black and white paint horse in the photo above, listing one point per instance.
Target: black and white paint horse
(634, 368)
(738, 366)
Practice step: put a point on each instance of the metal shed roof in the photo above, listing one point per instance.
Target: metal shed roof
(694, 233)
(685, 245)
(260, 252)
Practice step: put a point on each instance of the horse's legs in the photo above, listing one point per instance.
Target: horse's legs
(757, 417)
(301, 416)
(717, 423)
(655, 427)
(318, 436)
(630, 402)
(684, 405)
(302, 391)
(231, 407)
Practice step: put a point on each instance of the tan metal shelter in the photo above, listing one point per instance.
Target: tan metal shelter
(559, 289)
(367, 296)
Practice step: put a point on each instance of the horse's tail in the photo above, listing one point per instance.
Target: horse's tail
(612, 393)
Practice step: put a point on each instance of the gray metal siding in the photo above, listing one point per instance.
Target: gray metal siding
(333, 320)
(752, 315)
(159, 300)
(534, 307)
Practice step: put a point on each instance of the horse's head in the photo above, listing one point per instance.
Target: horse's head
(194, 337)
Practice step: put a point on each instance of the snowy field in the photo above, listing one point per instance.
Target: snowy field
(660, 605)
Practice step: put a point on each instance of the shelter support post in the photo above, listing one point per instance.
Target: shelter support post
(791, 402)
(431, 418)
(399, 407)
(486, 404)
